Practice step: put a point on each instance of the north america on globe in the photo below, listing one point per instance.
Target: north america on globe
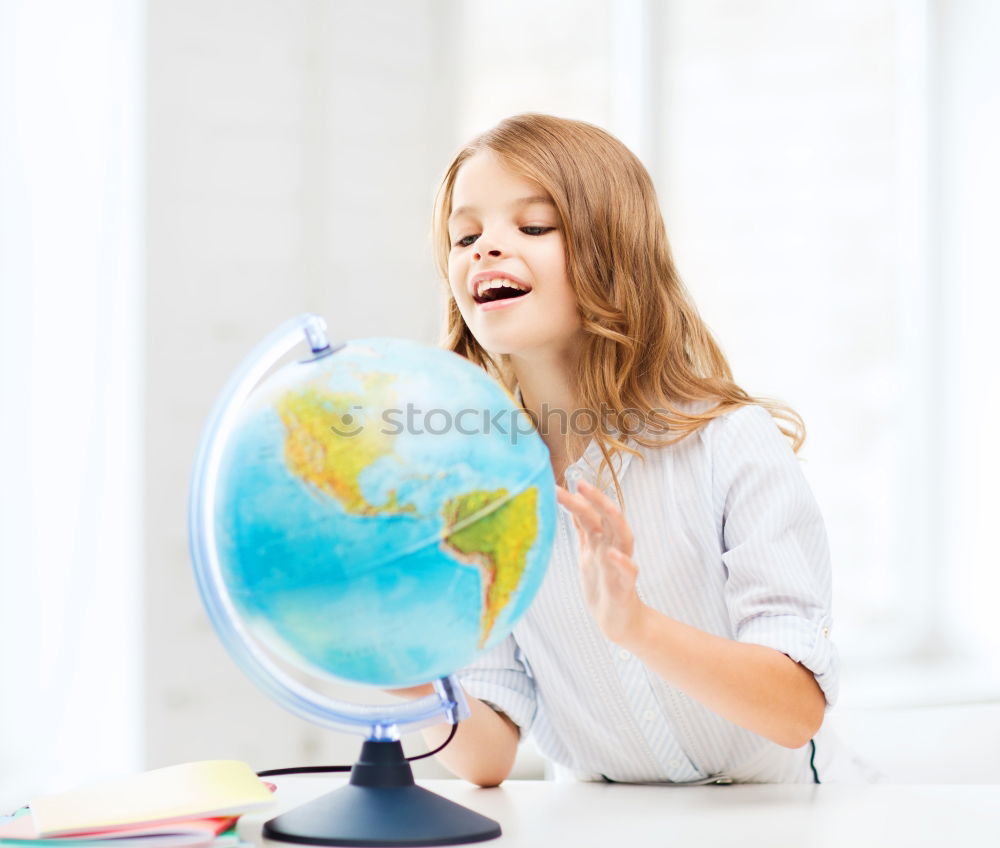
(331, 461)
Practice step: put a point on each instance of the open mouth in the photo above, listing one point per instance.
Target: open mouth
(501, 288)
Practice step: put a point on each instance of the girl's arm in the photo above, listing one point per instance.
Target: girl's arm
(484, 746)
(754, 686)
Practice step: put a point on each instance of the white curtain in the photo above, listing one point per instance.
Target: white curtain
(71, 77)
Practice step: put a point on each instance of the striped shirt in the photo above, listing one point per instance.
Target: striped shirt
(728, 539)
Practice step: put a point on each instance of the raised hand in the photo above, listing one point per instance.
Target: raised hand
(607, 572)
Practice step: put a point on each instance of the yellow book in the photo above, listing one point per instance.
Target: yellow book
(166, 795)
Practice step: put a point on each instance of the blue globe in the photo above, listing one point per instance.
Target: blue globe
(384, 513)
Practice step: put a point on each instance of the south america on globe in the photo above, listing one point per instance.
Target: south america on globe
(384, 513)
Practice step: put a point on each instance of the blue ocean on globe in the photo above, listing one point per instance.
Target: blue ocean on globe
(384, 513)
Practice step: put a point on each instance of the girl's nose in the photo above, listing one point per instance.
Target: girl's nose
(484, 248)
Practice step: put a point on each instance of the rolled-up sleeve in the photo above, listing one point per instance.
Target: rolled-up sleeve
(500, 677)
(775, 548)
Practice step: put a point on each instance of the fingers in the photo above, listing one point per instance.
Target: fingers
(598, 515)
(611, 516)
(608, 574)
(585, 515)
(624, 562)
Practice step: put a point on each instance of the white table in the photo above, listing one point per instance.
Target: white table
(578, 815)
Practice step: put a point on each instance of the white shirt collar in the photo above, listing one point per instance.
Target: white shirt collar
(589, 464)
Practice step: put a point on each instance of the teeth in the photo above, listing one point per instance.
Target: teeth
(499, 282)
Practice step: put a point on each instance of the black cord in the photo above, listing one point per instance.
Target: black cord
(302, 770)
(451, 735)
(812, 761)
(326, 769)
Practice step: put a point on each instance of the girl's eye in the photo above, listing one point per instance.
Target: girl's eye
(466, 241)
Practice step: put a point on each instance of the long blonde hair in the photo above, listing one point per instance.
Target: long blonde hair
(645, 346)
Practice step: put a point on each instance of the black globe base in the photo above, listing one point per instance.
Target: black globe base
(381, 806)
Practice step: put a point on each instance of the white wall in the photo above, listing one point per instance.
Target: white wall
(963, 227)
(778, 149)
(293, 153)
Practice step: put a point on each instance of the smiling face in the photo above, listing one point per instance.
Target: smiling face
(507, 262)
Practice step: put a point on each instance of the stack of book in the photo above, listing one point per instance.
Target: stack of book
(184, 806)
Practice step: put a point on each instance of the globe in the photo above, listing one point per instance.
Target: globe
(379, 512)
(384, 513)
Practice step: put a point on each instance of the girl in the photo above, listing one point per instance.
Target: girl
(682, 631)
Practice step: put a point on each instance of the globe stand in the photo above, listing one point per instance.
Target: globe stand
(381, 805)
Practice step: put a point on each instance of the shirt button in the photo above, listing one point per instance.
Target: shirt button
(826, 631)
(674, 764)
(623, 654)
(649, 715)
